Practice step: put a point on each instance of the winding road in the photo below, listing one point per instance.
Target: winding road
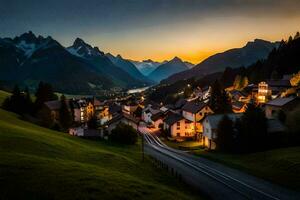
(213, 179)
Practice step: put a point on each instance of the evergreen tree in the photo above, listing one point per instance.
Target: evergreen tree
(245, 82)
(253, 129)
(17, 101)
(237, 82)
(65, 116)
(219, 100)
(44, 93)
(28, 101)
(297, 35)
(224, 140)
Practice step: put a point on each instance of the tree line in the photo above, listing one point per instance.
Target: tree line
(22, 103)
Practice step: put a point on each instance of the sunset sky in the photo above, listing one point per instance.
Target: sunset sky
(155, 29)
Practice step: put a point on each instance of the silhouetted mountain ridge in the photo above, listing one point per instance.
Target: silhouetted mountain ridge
(237, 57)
(81, 68)
(165, 70)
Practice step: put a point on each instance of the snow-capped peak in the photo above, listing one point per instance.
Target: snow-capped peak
(27, 48)
(84, 50)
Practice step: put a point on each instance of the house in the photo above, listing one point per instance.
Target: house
(237, 95)
(279, 85)
(210, 126)
(148, 112)
(85, 133)
(179, 103)
(129, 108)
(195, 111)
(178, 126)
(122, 118)
(138, 112)
(264, 92)
(239, 107)
(79, 109)
(284, 104)
(50, 110)
(271, 89)
(157, 119)
(115, 109)
(211, 122)
(89, 110)
(102, 113)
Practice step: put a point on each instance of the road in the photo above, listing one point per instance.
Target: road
(213, 179)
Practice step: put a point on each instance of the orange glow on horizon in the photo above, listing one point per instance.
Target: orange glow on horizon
(194, 42)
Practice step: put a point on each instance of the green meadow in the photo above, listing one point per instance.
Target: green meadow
(38, 163)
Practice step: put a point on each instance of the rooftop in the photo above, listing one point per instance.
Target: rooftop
(173, 118)
(215, 119)
(237, 105)
(280, 101)
(279, 83)
(193, 106)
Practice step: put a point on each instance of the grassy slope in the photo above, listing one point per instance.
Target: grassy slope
(3, 95)
(37, 163)
(281, 166)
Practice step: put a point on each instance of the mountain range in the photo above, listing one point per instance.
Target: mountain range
(165, 70)
(127, 66)
(80, 68)
(146, 66)
(237, 57)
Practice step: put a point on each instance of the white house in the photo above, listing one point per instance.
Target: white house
(210, 126)
(178, 126)
(195, 111)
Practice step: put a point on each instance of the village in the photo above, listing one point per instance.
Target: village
(190, 119)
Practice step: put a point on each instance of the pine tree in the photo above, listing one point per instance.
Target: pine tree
(28, 101)
(253, 130)
(16, 101)
(219, 100)
(65, 116)
(237, 82)
(44, 93)
(297, 35)
(224, 140)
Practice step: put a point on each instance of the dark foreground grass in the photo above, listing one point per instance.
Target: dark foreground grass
(281, 166)
(3, 95)
(38, 163)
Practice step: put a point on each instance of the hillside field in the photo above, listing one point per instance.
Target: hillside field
(38, 163)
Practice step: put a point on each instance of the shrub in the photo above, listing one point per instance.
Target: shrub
(123, 134)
